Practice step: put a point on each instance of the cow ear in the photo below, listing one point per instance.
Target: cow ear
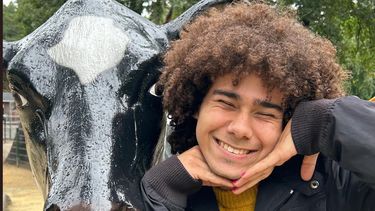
(10, 49)
(174, 27)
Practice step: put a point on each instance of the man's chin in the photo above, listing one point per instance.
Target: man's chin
(227, 175)
(226, 171)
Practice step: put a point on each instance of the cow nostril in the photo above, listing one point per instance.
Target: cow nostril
(85, 207)
(53, 207)
(122, 207)
(81, 207)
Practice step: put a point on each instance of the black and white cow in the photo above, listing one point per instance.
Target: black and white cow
(81, 83)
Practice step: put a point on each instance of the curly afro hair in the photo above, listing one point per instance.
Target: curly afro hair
(244, 39)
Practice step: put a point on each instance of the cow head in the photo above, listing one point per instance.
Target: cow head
(83, 87)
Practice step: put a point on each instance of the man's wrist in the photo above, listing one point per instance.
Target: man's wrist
(308, 125)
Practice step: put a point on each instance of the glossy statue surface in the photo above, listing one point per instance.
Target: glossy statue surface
(82, 85)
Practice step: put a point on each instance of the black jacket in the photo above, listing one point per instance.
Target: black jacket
(343, 130)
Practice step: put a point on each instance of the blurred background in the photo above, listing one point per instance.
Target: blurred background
(349, 24)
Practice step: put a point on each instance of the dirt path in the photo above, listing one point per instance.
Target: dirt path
(19, 185)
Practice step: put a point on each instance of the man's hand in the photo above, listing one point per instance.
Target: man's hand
(308, 166)
(282, 152)
(196, 165)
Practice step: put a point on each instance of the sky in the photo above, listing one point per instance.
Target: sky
(6, 2)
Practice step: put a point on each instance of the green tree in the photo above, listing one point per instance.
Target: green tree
(33, 13)
(135, 5)
(162, 11)
(11, 27)
(21, 20)
(10, 31)
(350, 25)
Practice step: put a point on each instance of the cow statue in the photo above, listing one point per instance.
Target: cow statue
(82, 83)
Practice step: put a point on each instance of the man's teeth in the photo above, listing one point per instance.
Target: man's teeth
(232, 149)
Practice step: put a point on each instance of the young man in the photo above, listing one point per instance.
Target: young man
(247, 88)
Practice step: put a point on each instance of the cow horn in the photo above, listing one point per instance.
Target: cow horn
(174, 27)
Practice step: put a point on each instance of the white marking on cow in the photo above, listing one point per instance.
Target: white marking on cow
(23, 100)
(90, 46)
(99, 141)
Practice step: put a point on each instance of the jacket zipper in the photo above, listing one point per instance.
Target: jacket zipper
(291, 192)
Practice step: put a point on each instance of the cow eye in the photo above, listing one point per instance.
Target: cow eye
(19, 99)
(153, 91)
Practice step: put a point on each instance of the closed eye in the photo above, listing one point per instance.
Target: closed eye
(226, 103)
(268, 115)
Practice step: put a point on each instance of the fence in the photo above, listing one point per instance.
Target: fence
(10, 126)
(12, 132)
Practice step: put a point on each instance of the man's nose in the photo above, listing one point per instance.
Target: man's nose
(240, 126)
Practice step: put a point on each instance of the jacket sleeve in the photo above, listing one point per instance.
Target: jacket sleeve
(167, 185)
(341, 129)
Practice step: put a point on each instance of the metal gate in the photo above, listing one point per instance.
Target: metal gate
(14, 138)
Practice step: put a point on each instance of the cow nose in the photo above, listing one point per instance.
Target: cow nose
(79, 207)
(85, 207)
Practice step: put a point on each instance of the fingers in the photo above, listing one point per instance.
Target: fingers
(216, 181)
(258, 170)
(253, 181)
(308, 166)
(211, 179)
(195, 164)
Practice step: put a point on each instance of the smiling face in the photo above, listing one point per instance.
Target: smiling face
(238, 125)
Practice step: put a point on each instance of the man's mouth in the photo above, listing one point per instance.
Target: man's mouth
(232, 149)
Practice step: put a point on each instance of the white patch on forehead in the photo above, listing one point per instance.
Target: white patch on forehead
(90, 46)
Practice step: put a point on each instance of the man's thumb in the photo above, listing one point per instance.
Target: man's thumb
(308, 166)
